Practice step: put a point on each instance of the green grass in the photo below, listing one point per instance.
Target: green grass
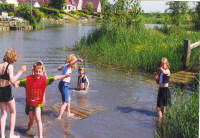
(161, 18)
(139, 49)
(154, 18)
(182, 118)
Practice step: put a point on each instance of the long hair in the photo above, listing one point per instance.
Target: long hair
(71, 58)
(164, 60)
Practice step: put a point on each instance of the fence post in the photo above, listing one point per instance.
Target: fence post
(187, 53)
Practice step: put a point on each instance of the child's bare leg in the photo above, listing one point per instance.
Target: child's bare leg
(160, 114)
(3, 118)
(12, 107)
(62, 109)
(68, 109)
(31, 120)
(163, 109)
(39, 121)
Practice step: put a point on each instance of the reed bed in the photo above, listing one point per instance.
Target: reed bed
(136, 49)
(182, 118)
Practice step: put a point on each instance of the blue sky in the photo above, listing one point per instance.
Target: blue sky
(155, 6)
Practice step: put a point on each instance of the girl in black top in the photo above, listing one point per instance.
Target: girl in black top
(164, 95)
(6, 97)
(83, 82)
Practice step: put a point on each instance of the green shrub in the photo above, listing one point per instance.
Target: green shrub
(70, 14)
(6, 7)
(38, 14)
(24, 11)
(89, 6)
(62, 11)
(55, 13)
(83, 15)
(11, 14)
(33, 22)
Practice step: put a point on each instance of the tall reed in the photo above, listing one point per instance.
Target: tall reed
(137, 49)
(182, 118)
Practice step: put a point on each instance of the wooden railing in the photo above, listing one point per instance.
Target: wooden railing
(187, 52)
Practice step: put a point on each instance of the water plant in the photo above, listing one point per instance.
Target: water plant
(137, 48)
(182, 118)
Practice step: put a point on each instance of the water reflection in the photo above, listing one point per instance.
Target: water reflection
(82, 99)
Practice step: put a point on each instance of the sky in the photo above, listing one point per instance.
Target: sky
(156, 5)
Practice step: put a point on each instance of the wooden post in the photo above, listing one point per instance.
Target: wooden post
(187, 53)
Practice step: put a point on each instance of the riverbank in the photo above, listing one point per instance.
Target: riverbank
(8, 26)
(68, 20)
(137, 49)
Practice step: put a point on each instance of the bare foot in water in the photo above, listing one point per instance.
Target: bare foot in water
(14, 136)
(70, 115)
(58, 118)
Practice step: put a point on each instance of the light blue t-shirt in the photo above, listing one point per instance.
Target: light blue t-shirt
(64, 70)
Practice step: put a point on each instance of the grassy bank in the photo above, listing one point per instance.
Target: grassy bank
(139, 49)
(182, 118)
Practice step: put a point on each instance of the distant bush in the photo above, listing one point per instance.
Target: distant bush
(70, 14)
(38, 15)
(89, 6)
(55, 13)
(62, 11)
(75, 12)
(6, 7)
(24, 11)
(11, 14)
(33, 22)
(84, 15)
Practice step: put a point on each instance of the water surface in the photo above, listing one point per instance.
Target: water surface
(129, 98)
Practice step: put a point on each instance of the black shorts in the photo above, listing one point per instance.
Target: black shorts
(32, 108)
(6, 94)
(164, 97)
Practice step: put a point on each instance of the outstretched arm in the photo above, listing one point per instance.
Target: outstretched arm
(60, 67)
(59, 77)
(49, 80)
(74, 62)
(19, 73)
(21, 83)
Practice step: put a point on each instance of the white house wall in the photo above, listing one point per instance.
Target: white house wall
(99, 7)
(12, 2)
(37, 5)
(79, 6)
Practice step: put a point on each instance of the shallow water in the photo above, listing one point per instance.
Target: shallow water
(129, 99)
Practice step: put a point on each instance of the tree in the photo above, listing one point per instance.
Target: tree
(103, 4)
(177, 11)
(58, 4)
(89, 6)
(196, 17)
(24, 11)
(119, 15)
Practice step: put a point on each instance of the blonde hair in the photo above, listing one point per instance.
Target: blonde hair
(38, 64)
(81, 67)
(164, 60)
(71, 58)
(10, 56)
